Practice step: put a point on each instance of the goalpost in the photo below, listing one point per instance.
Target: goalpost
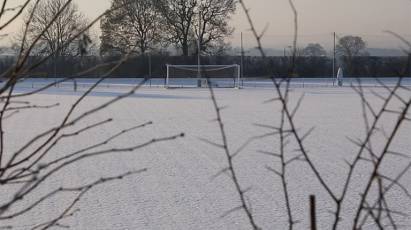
(203, 75)
(226, 76)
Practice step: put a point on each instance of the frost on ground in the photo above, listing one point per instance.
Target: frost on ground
(180, 190)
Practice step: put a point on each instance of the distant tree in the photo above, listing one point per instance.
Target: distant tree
(180, 17)
(132, 23)
(64, 25)
(214, 27)
(348, 48)
(351, 46)
(314, 50)
(185, 29)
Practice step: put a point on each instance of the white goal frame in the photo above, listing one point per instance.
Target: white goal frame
(237, 67)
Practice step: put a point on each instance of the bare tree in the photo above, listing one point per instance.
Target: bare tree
(351, 46)
(180, 16)
(65, 24)
(214, 27)
(348, 48)
(193, 20)
(372, 204)
(27, 166)
(314, 50)
(139, 24)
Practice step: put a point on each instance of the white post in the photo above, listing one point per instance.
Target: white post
(168, 75)
(340, 77)
(238, 76)
(334, 77)
(242, 56)
(199, 51)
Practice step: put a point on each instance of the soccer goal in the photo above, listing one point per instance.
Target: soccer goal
(223, 76)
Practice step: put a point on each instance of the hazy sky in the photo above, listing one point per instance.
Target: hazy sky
(318, 19)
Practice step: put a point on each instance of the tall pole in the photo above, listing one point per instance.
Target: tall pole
(166, 83)
(334, 61)
(199, 51)
(149, 65)
(242, 58)
(55, 65)
(409, 66)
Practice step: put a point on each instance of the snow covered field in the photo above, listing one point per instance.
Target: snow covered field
(179, 190)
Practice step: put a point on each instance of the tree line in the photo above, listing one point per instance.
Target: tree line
(130, 26)
(147, 26)
(147, 30)
(253, 67)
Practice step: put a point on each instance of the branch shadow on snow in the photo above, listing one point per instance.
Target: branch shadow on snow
(70, 92)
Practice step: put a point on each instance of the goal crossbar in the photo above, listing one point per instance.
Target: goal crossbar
(203, 65)
(199, 69)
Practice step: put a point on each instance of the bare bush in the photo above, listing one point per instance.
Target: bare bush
(25, 169)
(370, 202)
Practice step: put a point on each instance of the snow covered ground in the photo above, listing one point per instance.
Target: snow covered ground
(179, 190)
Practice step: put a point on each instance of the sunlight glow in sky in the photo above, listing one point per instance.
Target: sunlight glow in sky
(318, 19)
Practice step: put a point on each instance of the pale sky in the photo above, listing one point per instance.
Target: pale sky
(318, 19)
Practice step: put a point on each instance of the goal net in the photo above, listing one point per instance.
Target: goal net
(226, 76)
